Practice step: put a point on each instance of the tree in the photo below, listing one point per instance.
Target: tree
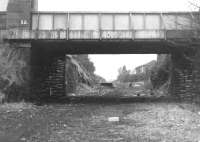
(85, 61)
(123, 75)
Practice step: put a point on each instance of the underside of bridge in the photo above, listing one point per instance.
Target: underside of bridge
(48, 63)
(104, 46)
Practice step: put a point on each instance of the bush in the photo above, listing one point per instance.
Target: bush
(161, 72)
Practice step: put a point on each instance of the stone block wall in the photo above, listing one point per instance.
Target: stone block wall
(183, 77)
(47, 74)
(196, 75)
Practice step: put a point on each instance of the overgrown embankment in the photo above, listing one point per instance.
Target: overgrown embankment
(77, 73)
(161, 74)
(14, 72)
(80, 78)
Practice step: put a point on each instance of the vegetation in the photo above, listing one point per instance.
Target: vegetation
(139, 122)
(14, 73)
(85, 62)
(126, 76)
(79, 69)
(160, 73)
(80, 74)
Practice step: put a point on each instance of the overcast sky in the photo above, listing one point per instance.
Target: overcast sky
(107, 65)
(115, 5)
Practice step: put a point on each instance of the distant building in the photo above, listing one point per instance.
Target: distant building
(133, 71)
(140, 69)
(144, 68)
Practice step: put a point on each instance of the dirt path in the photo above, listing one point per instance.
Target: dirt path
(139, 122)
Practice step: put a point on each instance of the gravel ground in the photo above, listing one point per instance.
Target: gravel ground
(138, 122)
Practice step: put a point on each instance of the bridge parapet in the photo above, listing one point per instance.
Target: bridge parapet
(85, 34)
(87, 25)
(96, 35)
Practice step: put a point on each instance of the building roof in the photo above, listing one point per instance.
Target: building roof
(149, 64)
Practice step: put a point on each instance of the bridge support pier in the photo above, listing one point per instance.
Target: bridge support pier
(183, 77)
(48, 74)
(196, 75)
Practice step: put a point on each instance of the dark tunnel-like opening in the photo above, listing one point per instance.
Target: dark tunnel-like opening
(49, 64)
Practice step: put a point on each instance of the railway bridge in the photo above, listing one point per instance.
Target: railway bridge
(48, 36)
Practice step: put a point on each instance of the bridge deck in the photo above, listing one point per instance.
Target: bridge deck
(97, 35)
(87, 25)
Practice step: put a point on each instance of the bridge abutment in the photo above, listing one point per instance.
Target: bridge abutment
(196, 74)
(185, 74)
(48, 74)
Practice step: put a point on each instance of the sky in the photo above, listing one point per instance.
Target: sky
(115, 5)
(107, 65)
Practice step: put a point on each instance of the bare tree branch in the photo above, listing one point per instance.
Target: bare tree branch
(193, 4)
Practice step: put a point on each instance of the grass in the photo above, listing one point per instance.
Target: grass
(139, 122)
(14, 107)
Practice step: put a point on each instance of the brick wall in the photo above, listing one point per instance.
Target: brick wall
(19, 13)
